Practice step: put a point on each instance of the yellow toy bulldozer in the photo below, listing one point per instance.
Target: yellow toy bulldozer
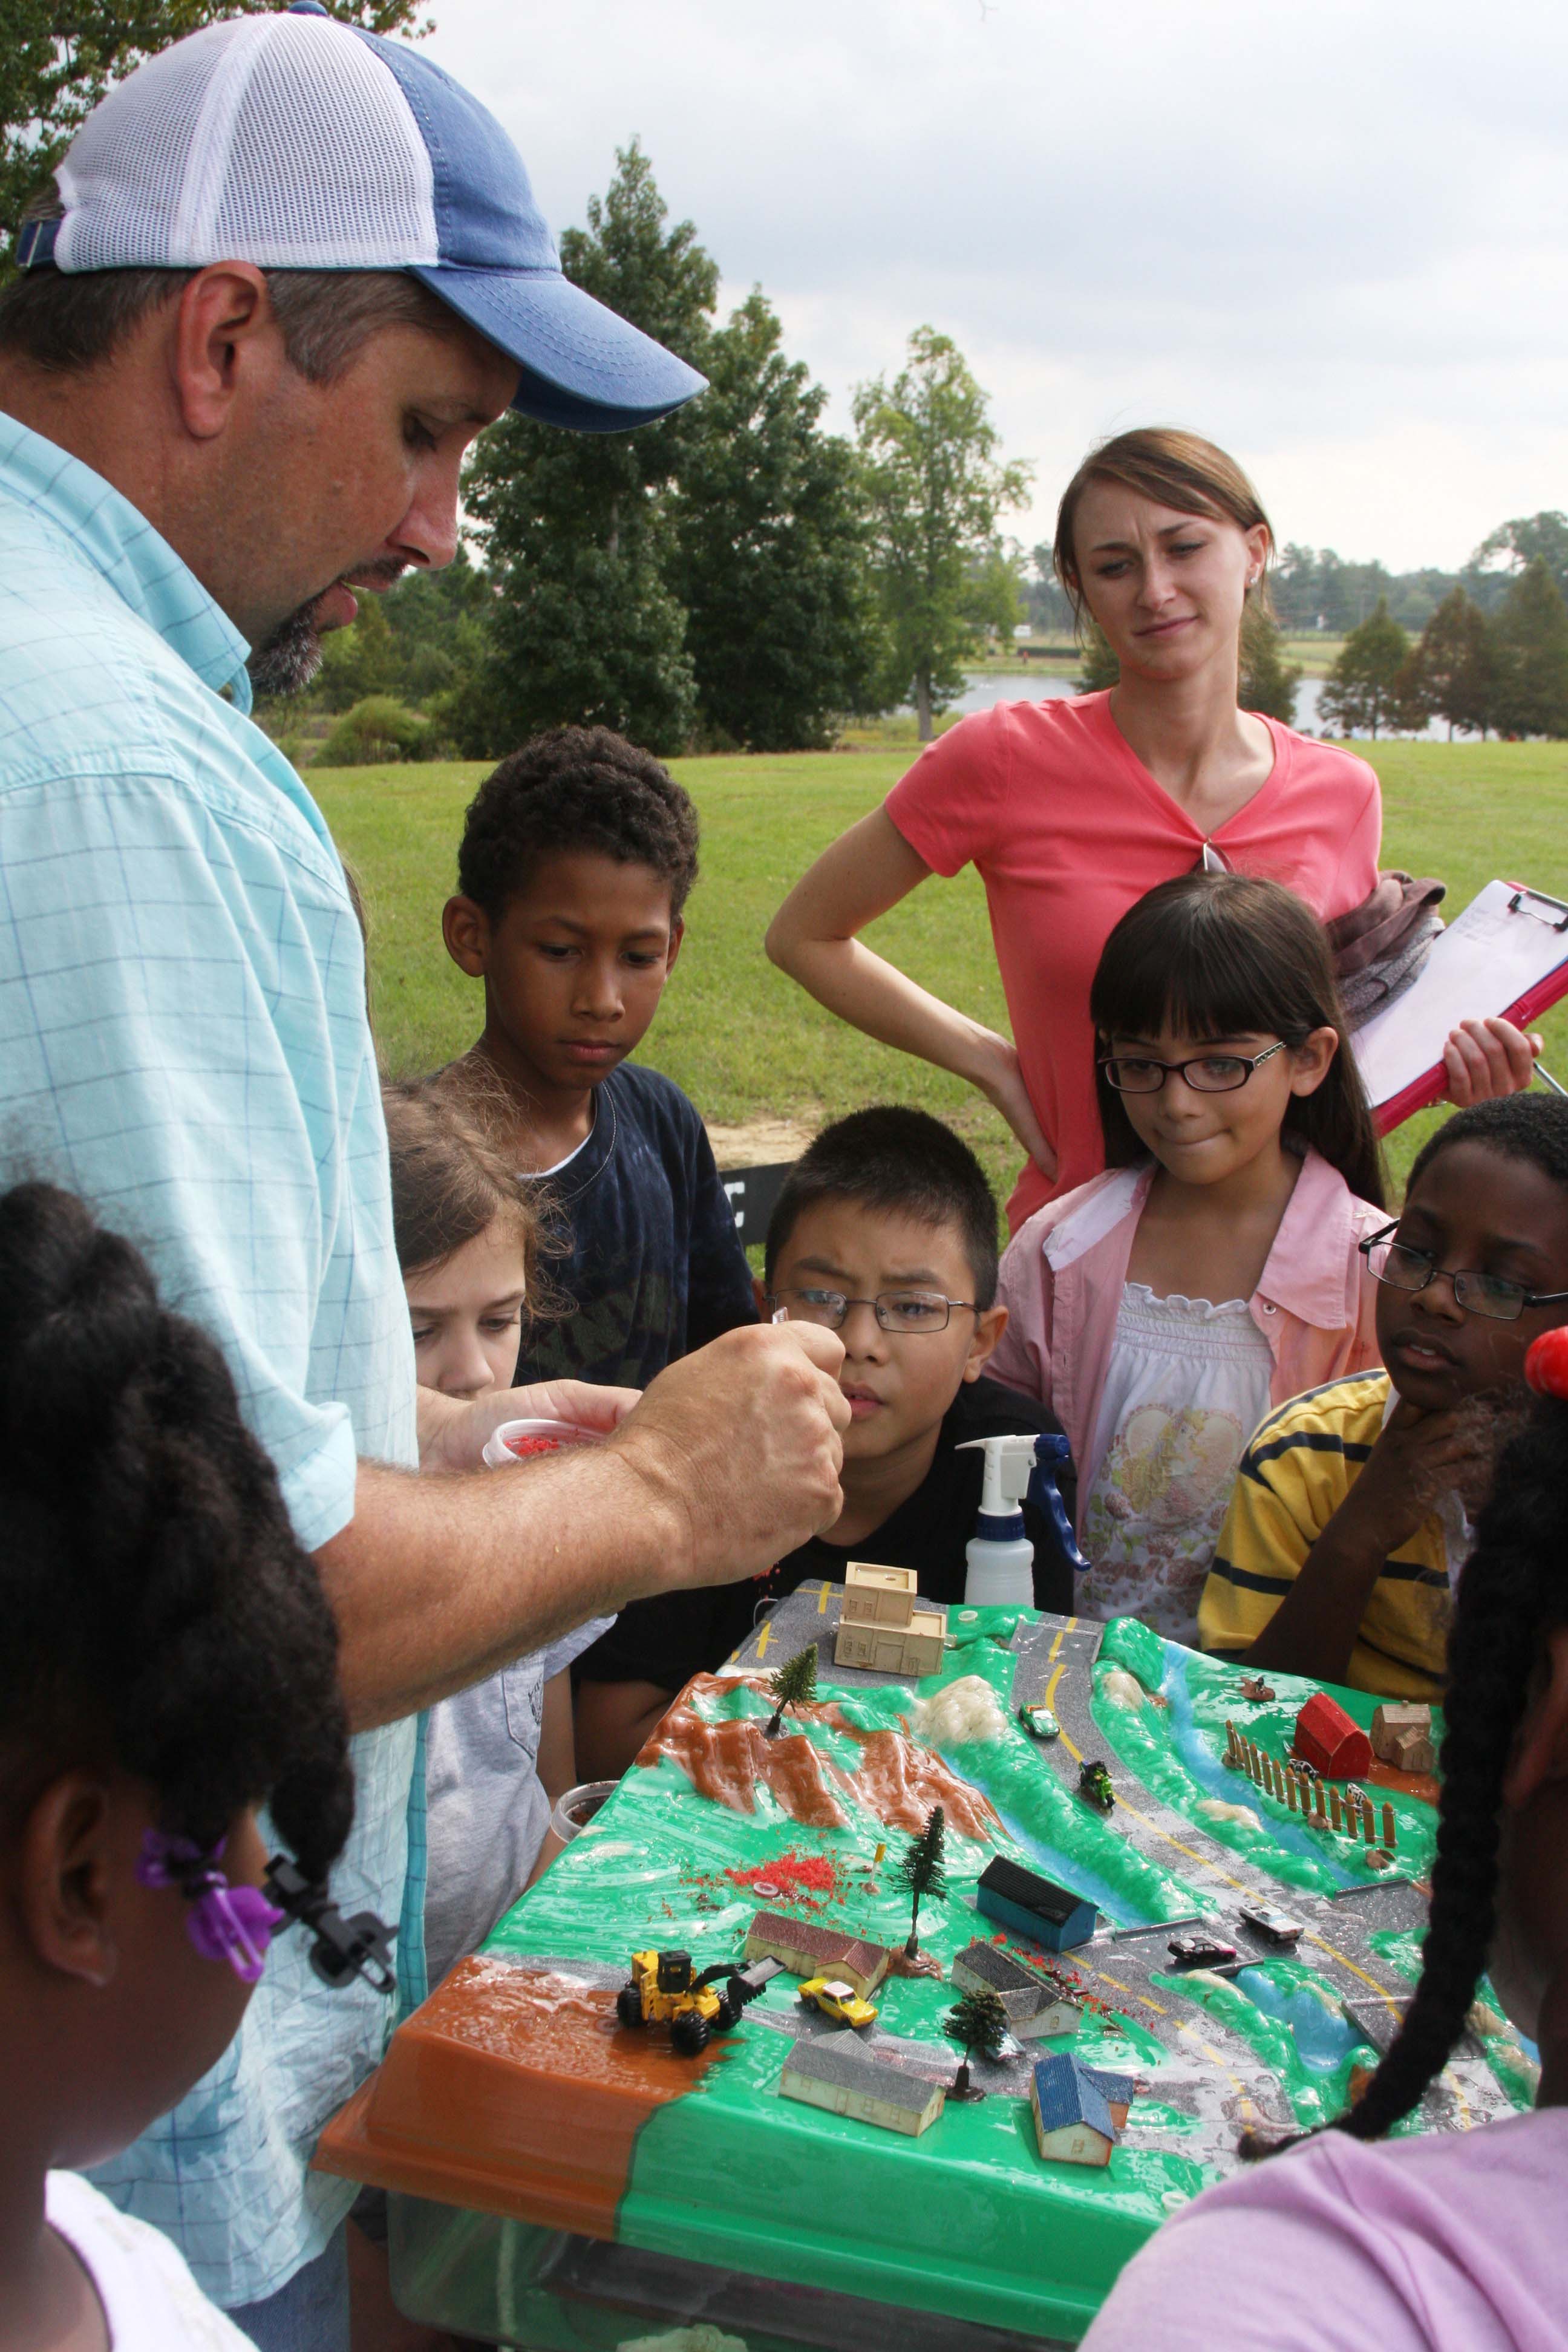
(663, 1990)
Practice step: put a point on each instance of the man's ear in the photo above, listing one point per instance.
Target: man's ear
(223, 319)
(65, 1879)
(989, 1326)
(1540, 1746)
(466, 927)
(677, 933)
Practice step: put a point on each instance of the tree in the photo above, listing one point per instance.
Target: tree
(54, 69)
(920, 1870)
(1530, 640)
(576, 525)
(1361, 687)
(1268, 681)
(937, 490)
(979, 2021)
(375, 732)
(1528, 538)
(794, 1685)
(1100, 667)
(1457, 665)
(771, 550)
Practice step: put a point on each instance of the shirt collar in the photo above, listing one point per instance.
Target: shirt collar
(121, 545)
(1305, 1270)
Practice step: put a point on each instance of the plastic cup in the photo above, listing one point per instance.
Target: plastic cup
(520, 1441)
(576, 1807)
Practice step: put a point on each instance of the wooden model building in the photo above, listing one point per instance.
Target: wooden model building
(810, 1951)
(1328, 1739)
(1079, 2110)
(837, 2072)
(882, 1627)
(1033, 2007)
(1402, 1736)
(1032, 1905)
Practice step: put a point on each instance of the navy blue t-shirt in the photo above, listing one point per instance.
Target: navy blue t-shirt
(652, 1263)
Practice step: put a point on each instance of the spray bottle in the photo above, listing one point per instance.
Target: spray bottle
(1000, 1556)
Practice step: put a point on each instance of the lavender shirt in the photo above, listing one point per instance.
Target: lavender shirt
(1450, 2243)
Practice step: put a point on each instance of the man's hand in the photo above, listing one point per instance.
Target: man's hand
(1485, 1058)
(1419, 1459)
(739, 1448)
(453, 1431)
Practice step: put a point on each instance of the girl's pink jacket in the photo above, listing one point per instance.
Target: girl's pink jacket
(1062, 1277)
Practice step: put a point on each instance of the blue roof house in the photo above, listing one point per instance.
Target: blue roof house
(1075, 2119)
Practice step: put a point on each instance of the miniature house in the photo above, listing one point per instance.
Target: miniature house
(1402, 1736)
(835, 2071)
(1328, 1739)
(882, 1627)
(1035, 2009)
(1076, 2120)
(1033, 1906)
(806, 1950)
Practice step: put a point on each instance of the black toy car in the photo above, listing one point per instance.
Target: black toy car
(1200, 1951)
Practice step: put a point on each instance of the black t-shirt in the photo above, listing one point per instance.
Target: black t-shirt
(646, 1250)
(678, 1634)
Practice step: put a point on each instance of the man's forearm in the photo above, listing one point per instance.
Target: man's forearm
(437, 1581)
(1314, 1629)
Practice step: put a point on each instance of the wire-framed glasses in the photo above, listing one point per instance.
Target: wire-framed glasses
(1404, 1268)
(1206, 1074)
(908, 1312)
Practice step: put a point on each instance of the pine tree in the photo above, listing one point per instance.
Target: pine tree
(1100, 667)
(920, 1870)
(1458, 680)
(937, 490)
(1361, 691)
(1530, 638)
(794, 1685)
(979, 2021)
(1268, 681)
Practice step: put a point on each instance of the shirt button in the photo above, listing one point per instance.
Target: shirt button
(1270, 1308)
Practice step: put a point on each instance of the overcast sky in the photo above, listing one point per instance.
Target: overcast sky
(1333, 238)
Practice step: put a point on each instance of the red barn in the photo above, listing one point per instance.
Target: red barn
(1326, 1738)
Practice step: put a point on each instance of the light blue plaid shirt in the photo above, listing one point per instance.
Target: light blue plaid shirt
(184, 1042)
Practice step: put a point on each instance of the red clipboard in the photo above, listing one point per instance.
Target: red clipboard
(1480, 966)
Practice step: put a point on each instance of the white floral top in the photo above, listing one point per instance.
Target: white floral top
(1186, 1386)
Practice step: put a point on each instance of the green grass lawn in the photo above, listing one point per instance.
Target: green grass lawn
(743, 1041)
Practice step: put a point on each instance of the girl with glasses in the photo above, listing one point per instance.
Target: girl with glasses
(1213, 1269)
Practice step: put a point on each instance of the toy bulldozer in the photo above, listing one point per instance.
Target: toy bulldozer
(662, 1990)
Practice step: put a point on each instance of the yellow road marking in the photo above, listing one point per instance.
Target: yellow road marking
(763, 1639)
(822, 1603)
(1130, 1994)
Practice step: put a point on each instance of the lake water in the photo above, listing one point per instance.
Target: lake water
(986, 688)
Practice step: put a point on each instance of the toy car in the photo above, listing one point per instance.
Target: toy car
(1094, 1782)
(1274, 1926)
(1200, 1951)
(1039, 1722)
(833, 1998)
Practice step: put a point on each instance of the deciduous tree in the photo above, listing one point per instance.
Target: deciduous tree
(1362, 690)
(1529, 638)
(938, 490)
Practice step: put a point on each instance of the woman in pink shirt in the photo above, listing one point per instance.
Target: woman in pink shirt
(1073, 808)
(1452, 2241)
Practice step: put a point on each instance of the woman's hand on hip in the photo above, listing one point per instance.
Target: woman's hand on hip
(1485, 1058)
(1003, 1086)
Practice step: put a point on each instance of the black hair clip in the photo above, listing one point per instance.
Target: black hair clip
(341, 1948)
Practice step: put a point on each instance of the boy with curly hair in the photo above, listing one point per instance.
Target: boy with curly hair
(577, 857)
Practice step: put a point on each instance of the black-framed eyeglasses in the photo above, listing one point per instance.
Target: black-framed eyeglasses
(1206, 1074)
(1404, 1268)
(910, 1313)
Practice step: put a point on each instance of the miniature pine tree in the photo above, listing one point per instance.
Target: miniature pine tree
(794, 1685)
(920, 1871)
(979, 2021)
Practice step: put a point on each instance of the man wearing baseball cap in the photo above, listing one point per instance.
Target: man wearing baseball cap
(293, 269)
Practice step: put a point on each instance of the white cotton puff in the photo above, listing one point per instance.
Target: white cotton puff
(684, 2339)
(961, 1711)
(1215, 1809)
(1119, 1688)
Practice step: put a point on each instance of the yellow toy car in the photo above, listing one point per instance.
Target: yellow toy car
(834, 1997)
(665, 1990)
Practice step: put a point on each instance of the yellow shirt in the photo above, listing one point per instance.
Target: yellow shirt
(1298, 1470)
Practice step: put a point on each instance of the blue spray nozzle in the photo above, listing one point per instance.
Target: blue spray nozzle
(1051, 1449)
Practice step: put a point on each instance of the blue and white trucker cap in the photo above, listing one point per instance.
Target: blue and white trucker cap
(298, 143)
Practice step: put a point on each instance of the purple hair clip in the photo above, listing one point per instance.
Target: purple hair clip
(235, 1923)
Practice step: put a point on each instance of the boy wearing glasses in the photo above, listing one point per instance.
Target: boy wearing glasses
(1350, 1523)
(885, 1233)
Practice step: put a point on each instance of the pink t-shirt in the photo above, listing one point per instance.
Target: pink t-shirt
(1449, 2242)
(1067, 828)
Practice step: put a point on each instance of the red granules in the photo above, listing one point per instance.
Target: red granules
(523, 1447)
(810, 1879)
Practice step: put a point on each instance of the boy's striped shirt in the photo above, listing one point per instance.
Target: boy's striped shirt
(1298, 1470)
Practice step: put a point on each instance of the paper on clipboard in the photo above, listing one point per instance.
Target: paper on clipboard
(1506, 954)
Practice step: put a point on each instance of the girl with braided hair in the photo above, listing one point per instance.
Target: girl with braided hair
(1452, 2241)
(168, 1665)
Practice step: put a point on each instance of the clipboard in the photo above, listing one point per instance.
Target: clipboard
(1507, 955)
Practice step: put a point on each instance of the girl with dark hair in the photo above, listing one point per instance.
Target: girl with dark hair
(1349, 1524)
(169, 1665)
(1451, 2242)
(1071, 808)
(1213, 1269)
